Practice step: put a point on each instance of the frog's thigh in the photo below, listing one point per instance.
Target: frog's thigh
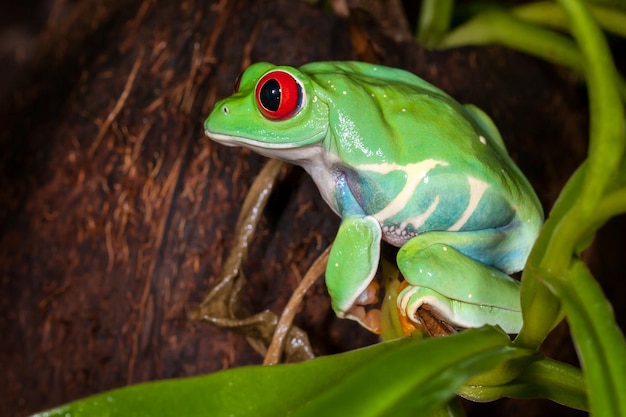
(353, 261)
(490, 246)
(465, 292)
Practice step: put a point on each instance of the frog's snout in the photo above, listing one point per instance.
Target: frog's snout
(220, 110)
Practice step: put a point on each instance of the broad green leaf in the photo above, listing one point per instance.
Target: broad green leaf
(414, 379)
(388, 378)
(246, 391)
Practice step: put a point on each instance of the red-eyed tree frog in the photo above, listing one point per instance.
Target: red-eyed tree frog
(398, 160)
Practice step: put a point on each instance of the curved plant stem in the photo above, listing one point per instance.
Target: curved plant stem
(600, 343)
(496, 26)
(569, 224)
(544, 378)
(500, 27)
(607, 138)
(434, 21)
(551, 14)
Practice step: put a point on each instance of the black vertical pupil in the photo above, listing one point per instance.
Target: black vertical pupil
(270, 95)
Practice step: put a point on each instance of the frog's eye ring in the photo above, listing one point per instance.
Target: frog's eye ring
(278, 95)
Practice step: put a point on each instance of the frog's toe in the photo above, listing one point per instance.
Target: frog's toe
(370, 319)
(366, 308)
(412, 298)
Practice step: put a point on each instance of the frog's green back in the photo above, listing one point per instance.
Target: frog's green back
(484, 121)
(369, 72)
(366, 72)
(381, 115)
(390, 115)
(398, 76)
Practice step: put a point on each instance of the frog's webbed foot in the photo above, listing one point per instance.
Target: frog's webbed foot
(457, 289)
(352, 265)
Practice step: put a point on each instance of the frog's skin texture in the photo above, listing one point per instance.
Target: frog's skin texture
(399, 160)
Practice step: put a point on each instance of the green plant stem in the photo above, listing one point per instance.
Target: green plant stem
(560, 382)
(434, 21)
(551, 14)
(544, 378)
(611, 205)
(607, 140)
(540, 307)
(569, 227)
(496, 26)
(499, 27)
(600, 343)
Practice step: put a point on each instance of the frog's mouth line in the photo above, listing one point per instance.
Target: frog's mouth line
(231, 140)
(292, 151)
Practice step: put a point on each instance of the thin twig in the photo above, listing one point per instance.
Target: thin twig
(275, 349)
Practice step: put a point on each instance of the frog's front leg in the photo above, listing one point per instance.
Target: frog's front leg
(353, 262)
(459, 289)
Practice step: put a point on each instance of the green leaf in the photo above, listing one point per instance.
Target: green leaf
(598, 339)
(607, 137)
(610, 18)
(571, 224)
(414, 379)
(246, 391)
(497, 26)
(420, 376)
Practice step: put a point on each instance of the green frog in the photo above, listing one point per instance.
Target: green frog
(398, 160)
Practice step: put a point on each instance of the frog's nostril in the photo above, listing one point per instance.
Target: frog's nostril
(225, 110)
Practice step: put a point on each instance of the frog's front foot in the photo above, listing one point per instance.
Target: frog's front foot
(366, 308)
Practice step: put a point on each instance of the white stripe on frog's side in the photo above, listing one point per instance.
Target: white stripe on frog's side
(477, 189)
(414, 174)
(418, 221)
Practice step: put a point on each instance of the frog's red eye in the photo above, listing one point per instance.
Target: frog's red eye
(278, 95)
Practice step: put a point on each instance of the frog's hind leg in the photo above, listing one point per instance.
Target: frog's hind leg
(459, 289)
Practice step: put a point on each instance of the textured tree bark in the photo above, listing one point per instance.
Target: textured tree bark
(116, 212)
